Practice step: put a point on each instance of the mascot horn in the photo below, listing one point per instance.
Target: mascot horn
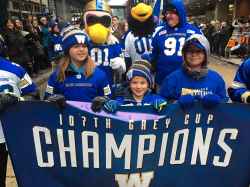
(97, 20)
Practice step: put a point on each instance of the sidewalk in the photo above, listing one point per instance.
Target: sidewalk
(231, 60)
(42, 77)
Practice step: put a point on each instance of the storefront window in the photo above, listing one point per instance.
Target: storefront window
(120, 12)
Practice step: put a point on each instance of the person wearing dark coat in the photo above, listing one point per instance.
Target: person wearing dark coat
(16, 43)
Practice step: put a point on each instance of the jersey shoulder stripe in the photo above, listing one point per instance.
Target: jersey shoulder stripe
(8, 66)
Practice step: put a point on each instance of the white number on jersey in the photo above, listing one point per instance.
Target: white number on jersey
(142, 45)
(6, 88)
(171, 46)
(100, 56)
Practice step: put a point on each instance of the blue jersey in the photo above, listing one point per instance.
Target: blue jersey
(136, 46)
(76, 87)
(15, 80)
(241, 82)
(103, 56)
(168, 42)
(180, 83)
(55, 46)
(124, 96)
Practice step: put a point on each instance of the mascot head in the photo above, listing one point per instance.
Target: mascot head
(141, 20)
(97, 20)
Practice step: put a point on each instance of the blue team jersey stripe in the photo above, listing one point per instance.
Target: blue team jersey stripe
(8, 66)
(29, 89)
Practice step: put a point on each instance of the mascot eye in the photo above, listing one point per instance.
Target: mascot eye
(104, 20)
(143, 14)
(91, 20)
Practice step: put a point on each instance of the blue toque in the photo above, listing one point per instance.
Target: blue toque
(141, 71)
(71, 36)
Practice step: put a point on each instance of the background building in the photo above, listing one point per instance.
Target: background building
(22, 9)
(222, 10)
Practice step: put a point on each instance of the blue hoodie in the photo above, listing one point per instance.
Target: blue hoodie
(182, 82)
(168, 42)
(241, 83)
(55, 46)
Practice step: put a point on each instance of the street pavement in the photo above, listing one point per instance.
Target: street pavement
(233, 60)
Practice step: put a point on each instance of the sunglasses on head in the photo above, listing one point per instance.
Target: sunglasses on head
(104, 20)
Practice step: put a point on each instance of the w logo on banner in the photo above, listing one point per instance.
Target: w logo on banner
(134, 180)
(80, 39)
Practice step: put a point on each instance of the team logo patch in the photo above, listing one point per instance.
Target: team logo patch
(107, 90)
(162, 32)
(80, 39)
(186, 91)
(25, 81)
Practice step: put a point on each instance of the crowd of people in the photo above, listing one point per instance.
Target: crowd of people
(157, 62)
(228, 38)
(32, 42)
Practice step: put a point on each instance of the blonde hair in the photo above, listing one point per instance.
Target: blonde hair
(65, 61)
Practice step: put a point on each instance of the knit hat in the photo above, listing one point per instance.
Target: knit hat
(194, 42)
(200, 42)
(73, 35)
(141, 68)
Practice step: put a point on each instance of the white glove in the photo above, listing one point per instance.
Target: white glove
(245, 97)
(118, 63)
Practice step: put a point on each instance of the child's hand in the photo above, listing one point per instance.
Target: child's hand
(210, 100)
(186, 101)
(6, 100)
(111, 106)
(98, 103)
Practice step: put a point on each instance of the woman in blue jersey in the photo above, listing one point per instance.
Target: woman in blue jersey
(136, 93)
(76, 78)
(194, 81)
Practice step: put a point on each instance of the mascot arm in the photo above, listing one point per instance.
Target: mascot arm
(118, 63)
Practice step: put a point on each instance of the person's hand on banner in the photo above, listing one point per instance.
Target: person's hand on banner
(186, 101)
(8, 99)
(111, 106)
(159, 104)
(210, 100)
(98, 103)
(57, 99)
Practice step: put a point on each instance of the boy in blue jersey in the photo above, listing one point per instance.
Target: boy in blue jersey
(14, 83)
(76, 78)
(168, 41)
(137, 93)
(194, 81)
(240, 89)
